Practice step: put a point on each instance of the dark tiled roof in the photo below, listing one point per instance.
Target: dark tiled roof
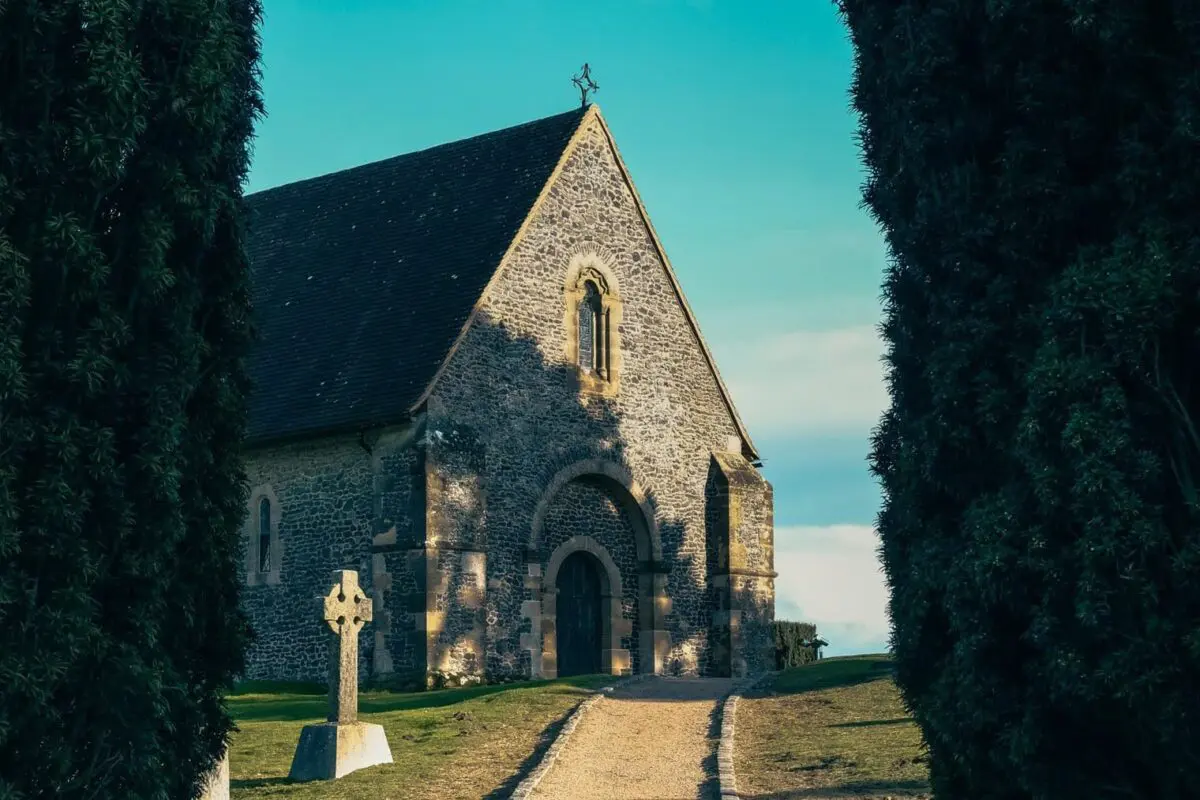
(364, 278)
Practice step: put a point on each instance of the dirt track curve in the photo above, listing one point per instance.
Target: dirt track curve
(653, 740)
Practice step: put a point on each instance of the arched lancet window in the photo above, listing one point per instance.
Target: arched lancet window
(591, 331)
(264, 535)
(592, 327)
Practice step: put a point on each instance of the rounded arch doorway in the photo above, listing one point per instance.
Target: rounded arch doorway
(633, 603)
(580, 615)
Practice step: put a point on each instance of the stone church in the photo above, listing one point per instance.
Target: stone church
(479, 384)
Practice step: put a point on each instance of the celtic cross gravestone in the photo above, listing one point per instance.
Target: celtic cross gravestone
(342, 744)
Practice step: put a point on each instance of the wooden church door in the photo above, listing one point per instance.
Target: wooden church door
(577, 613)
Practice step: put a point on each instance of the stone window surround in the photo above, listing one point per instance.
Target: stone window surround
(652, 601)
(272, 576)
(590, 266)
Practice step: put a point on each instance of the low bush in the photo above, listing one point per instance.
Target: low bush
(796, 644)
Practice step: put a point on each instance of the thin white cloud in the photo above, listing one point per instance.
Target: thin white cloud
(831, 576)
(804, 381)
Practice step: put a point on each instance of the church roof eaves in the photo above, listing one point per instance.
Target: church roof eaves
(751, 450)
(325, 297)
(331, 376)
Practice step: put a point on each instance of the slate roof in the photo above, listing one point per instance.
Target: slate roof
(363, 278)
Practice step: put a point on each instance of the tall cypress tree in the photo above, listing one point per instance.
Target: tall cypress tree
(1035, 167)
(124, 327)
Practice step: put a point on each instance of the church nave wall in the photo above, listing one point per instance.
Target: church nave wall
(335, 499)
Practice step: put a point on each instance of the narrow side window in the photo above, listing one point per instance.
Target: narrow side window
(264, 535)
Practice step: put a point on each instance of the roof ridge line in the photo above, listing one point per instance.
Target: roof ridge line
(589, 111)
(324, 293)
(407, 154)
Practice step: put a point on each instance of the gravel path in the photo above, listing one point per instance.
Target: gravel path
(654, 740)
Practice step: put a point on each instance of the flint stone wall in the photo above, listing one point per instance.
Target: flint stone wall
(511, 385)
(334, 497)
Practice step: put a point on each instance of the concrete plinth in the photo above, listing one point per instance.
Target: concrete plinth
(216, 785)
(330, 750)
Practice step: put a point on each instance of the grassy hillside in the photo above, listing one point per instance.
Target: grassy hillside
(456, 743)
(833, 729)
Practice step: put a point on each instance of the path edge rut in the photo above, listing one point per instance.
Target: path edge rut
(526, 787)
(726, 774)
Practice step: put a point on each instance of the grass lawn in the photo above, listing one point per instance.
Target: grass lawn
(833, 729)
(475, 742)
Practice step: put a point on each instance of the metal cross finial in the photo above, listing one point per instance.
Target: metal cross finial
(584, 83)
(345, 609)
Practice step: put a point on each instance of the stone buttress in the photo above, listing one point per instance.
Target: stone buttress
(741, 561)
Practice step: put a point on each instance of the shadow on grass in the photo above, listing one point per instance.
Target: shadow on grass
(531, 761)
(871, 723)
(856, 790)
(256, 783)
(276, 687)
(294, 707)
(829, 673)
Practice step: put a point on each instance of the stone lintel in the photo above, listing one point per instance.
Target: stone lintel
(387, 539)
(467, 547)
(743, 572)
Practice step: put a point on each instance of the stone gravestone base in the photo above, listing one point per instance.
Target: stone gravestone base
(330, 750)
(343, 744)
(216, 786)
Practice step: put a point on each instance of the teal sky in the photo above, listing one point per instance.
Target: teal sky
(733, 118)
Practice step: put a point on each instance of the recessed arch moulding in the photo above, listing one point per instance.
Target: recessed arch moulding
(647, 583)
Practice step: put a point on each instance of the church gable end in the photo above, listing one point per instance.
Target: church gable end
(582, 351)
(588, 213)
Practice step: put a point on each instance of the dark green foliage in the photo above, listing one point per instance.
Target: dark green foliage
(796, 643)
(1035, 166)
(124, 131)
